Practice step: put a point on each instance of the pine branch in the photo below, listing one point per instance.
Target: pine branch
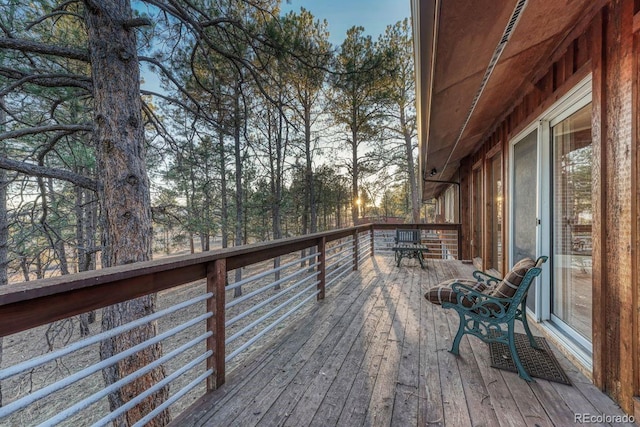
(45, 80)
(40, 129)
(136, 22)
(45, 49)
(46, 172)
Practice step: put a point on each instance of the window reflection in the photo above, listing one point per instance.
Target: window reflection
(572, 164)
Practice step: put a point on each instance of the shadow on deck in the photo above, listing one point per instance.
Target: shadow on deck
(375, 352)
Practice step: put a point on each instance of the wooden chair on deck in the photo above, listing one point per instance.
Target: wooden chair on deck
(488, 307)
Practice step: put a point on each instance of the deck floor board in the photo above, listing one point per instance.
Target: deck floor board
(375, 353)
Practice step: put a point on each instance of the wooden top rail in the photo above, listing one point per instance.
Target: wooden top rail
(445, 226)
(30, 304)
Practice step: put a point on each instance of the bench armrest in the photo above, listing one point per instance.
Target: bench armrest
(484, 305)
(490, 280)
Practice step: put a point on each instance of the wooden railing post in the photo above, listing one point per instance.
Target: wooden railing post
(216, 281)
(373, 233)
(355, 250)
(322, 267)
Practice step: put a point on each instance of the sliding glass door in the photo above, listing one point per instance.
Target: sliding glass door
(524, 207)
(572, 218)
(550, 213)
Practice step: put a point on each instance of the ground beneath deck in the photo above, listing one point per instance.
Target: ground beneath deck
(375, 353)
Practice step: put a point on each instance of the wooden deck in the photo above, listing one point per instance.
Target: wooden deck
(375, 353)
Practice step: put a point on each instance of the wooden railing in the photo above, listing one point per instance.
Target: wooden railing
(443, 240)
(329, 257)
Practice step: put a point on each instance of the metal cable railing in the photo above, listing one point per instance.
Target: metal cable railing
(189, 330)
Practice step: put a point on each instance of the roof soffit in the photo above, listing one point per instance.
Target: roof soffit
(468, 34)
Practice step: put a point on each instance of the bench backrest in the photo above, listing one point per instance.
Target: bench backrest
(408, 236)
(521, 289)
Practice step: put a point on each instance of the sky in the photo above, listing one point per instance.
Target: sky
(373, 15)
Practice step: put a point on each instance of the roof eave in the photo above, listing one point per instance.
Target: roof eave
(425, 29)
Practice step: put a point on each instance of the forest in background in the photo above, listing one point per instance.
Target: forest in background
(260, 131)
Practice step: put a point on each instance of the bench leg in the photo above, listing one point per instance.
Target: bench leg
(514, 355)
(421, 259)
(525, 323)
(398, 256)
(455, 348)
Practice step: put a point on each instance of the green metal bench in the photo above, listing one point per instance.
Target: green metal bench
(408, 244)
(492, 319)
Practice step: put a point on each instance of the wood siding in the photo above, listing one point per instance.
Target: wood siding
(635, 191)
(616, 151)
(606, 45)
(465, 208)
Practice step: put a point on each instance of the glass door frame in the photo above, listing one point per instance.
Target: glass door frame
(579, 98)
(539, 293)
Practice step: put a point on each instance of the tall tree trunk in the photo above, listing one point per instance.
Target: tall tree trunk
(167, 239)
(413, 183)
(91, 228)
(277, 195)
(338, 209)
(245, 213)
(24, 267)
(191, 213)
(311, 191)
(81, 249)
(39, 267)
(239, 190)
(124, 195)
(223, 192)
(276, 188)
(192, 203)
(54, 235)
(82, 252)
(4, 225)
(207, 202)
(354, 183)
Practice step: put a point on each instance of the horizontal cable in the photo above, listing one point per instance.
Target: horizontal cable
(269, 314)
(339, 253)
(335, 279)
(270, 285)
(270, 327)
(158, 386)
(337, 271)
(41, 360)
(271, 271)
(341, 256)
(363, 256)
(347, 255)
(85, 403)
(270, 299)
(365, 248)
(184, 390)
(45, 391)
(340, 245)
